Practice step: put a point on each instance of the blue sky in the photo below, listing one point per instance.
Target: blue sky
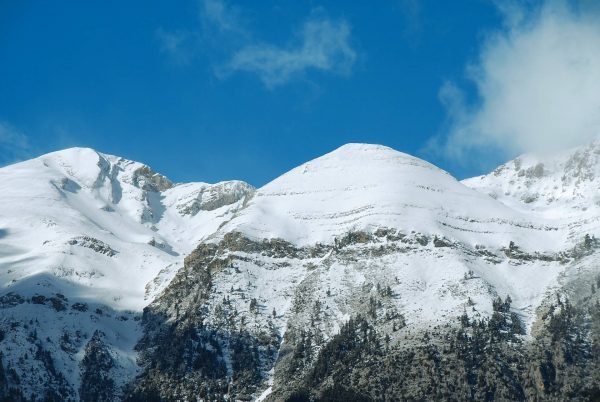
(213, 90)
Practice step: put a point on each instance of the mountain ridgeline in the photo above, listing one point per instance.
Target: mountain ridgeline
(363, 275)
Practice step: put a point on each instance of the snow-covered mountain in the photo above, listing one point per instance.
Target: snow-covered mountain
(361, 187)
(86, 241)
(82, 216)
(559, 186)
(243, 291)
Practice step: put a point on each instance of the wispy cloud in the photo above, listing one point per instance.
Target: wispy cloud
(14, 145)
(537, 82)
(321, 44)
(411, 12)
(219, 15)
(175, 45)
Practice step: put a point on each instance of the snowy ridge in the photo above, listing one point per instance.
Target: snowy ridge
(88, 240)
(50, 202)
(98, 230)
(561, 188)
(556, 186)
(365, 187)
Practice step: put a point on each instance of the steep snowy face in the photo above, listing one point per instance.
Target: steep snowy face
(86, 241)
(365, 187)
(103, 222)
(556, 186)
(385, 198)
(362, 231)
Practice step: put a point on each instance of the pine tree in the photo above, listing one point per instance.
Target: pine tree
(253, 306)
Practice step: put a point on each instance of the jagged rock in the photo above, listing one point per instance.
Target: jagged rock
(146, 179)
(211, 197)
(94, 244)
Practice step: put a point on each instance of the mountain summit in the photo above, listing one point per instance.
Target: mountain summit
(366, 187)
(118, 284)
(556, 185)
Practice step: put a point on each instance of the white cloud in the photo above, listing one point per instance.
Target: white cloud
(14, 145)
(218, 14)
(174, 44)
(321, 44)
(538, 85)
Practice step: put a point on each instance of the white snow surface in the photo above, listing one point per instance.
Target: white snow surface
(48, 202)
(365, 187)
(110, 232)
(552, 185)
(560, 188)
(100, 230)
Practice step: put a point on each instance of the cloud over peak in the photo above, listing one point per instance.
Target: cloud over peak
(537, 85)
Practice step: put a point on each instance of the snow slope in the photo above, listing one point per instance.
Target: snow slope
(446, 233)
(87, 240)
(364, 187)
(318, 245)
(561, 187)
(100, 231)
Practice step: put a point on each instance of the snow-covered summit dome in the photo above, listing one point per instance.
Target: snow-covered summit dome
(365, 187)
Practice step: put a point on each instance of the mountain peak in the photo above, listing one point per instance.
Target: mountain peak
(364, 152)
(558, 184)
(72, 151)
(362, 147)
(362, 187)
(353, 165)
(91, 240)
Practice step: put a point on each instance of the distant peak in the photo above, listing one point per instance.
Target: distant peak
(73, 151)
(90, 168)
(359, 151)
(362, 147)
(369, 154)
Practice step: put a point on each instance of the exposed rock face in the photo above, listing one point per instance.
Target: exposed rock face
(211, 197)
(184, 354)
(202, 338)
(94, 244)
(146, 179)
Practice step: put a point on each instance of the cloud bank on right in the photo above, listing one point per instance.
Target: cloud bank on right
(536, 83)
